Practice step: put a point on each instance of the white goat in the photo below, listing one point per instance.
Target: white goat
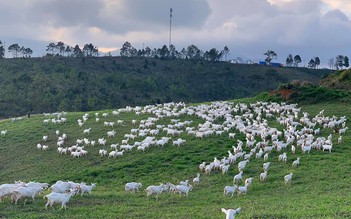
(327, 147)
(238, 177)
(266, 166)
(196, 180)
(132, 186)
(150, 190)
(27, 192)
(296, 162)
(86, 189)
(230, 190)
(242, 190)
(263, 176)
(287, 178)
(248, 182)
(3, 132)
(230, 213)
(62, 198)
(184, 189)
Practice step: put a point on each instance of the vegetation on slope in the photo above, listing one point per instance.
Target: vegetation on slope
(338, 80)
(320, 188)
(53, 84)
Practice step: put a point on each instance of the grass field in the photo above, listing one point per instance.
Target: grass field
(320, 187)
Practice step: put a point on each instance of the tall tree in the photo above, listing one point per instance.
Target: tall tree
(90, 50)
(346, 62)
(270, 56)
(2, 50)
(289, 60)
(173, 53)
(331, 63)
(163, 52)
(317, 61)
(68, 50)
(60, 47)
(51, 48)
(193, 52)
(312, 64)
(28, 52)
(15, 49)
(127, 49)
(225, 52)
(339, 61)
(147, 52)
(297, 60)
(77, 52)
(213, 55)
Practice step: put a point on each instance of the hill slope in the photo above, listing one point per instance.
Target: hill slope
(81, 84)
(319, 189)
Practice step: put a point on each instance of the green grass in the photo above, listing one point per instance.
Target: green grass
(320, 186)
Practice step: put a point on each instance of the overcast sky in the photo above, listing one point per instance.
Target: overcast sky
(248, 27)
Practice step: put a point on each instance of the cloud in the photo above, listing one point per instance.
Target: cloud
(249, 28)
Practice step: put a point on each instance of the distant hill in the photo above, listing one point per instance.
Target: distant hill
(91, 83)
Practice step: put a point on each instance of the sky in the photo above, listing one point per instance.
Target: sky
(249, 28)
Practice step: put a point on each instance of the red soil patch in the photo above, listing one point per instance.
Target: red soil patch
(285, 93)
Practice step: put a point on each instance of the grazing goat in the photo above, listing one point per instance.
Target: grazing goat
(230, 213)
(86, 189)
(230, 190)
(184, 189)
(27, 192)
(132, 186)
(296, 162)
(196, 180)
(287, 178)
(62, 198)
(150, 190)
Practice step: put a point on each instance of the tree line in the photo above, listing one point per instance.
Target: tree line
(191, 52)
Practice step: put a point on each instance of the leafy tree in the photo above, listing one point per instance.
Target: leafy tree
(90, 50)
(270, 56)
(289, 60)
(26, 52)
(312, 64)
(2, 50)
(173, 53)
(51, 48)
(297, 60)
(183, 53)
(317, 61)
(68, 50)
(15, 49)
(213, 55)
(193, 52)
(331, 63)
(225, 52)
(339, 61)
(77, 52)
(128, 50)
(163, 52)
(60, 46)
(147, 52)
(346, 62)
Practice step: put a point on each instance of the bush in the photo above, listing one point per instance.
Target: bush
(345, 75)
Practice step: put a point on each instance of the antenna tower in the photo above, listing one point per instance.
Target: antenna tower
(170, 27)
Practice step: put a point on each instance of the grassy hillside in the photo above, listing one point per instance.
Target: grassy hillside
(319, 189)
(338, 80)
(84, 84)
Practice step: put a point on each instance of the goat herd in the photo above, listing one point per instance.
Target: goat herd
(301, 132)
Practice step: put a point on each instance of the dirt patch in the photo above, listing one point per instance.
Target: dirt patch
(284, 93)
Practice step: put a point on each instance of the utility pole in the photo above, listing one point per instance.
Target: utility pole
(170, 28)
